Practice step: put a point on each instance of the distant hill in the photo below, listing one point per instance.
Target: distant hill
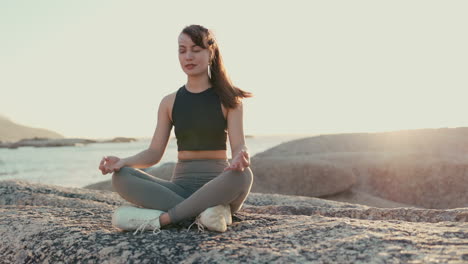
(11, 132)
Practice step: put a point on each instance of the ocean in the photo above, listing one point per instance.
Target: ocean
(78, 166)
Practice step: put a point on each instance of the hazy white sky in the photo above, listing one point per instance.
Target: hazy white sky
(100, 68)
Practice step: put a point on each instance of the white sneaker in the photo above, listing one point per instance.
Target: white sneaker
(129, 217)
(214, 218)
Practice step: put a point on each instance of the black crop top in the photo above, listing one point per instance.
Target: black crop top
(199, 121)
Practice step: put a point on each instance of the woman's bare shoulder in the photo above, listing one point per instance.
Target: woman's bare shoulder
(168, 103)
(169, 99)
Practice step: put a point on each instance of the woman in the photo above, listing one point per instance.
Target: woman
(204, 184)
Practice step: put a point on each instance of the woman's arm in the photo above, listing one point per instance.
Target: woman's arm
(236, 129)
(239, 151)
(155, 151)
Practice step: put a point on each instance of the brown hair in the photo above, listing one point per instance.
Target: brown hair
(229, 94)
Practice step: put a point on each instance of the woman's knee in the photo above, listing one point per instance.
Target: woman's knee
(121, 178)
(248, 174)
(242, 178)
(247, 181)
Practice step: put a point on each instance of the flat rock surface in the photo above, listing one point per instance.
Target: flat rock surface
(52, 224)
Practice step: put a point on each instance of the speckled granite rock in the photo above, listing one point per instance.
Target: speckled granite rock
(51, 224)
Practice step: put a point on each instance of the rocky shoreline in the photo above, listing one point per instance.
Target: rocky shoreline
(395, 197)
(47, 224)
(59, 142)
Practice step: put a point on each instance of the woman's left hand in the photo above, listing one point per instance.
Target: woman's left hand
(239, 162)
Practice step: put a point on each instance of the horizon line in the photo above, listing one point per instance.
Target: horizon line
(297, 134)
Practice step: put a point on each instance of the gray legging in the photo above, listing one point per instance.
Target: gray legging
(195, 185)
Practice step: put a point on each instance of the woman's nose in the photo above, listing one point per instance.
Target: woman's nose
(188, 55)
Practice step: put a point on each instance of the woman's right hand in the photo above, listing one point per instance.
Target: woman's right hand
(110, 164)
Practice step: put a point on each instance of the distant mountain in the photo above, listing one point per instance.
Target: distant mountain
(11, 132)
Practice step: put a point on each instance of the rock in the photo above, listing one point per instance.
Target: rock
(51, 224)
(425, 180)
(359, 197)
(119, 140)
(419, 179)
(102, 186)
(303, 176)
(46, 142)
(425, 168)
(8, 145)
(449, 140)
(61, 142)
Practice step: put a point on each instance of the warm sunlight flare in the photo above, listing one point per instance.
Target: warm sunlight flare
(82, 70)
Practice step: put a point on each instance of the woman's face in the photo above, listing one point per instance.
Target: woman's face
(193, 59)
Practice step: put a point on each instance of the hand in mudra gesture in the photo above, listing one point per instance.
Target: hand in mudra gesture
(110, 164)
(239, 162)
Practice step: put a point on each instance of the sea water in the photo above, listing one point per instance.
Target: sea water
(78, 166)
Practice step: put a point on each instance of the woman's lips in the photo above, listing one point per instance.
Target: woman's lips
(190, 66)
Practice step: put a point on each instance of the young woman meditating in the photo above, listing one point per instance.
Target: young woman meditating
(204, 184)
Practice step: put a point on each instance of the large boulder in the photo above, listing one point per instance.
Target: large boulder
(425, 168)
(52, 224)
(299, 175)
(421, 179)
(449, 140)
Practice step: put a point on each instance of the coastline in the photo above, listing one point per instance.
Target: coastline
(39, 142)
(382, 198)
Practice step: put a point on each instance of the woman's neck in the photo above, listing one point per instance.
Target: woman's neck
(198, 83)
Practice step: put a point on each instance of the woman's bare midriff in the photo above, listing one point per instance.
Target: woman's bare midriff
(202, 154)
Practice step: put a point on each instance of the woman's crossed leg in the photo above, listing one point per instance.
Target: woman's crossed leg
(149, 191)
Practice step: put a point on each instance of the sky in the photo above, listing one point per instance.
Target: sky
(99, 69)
